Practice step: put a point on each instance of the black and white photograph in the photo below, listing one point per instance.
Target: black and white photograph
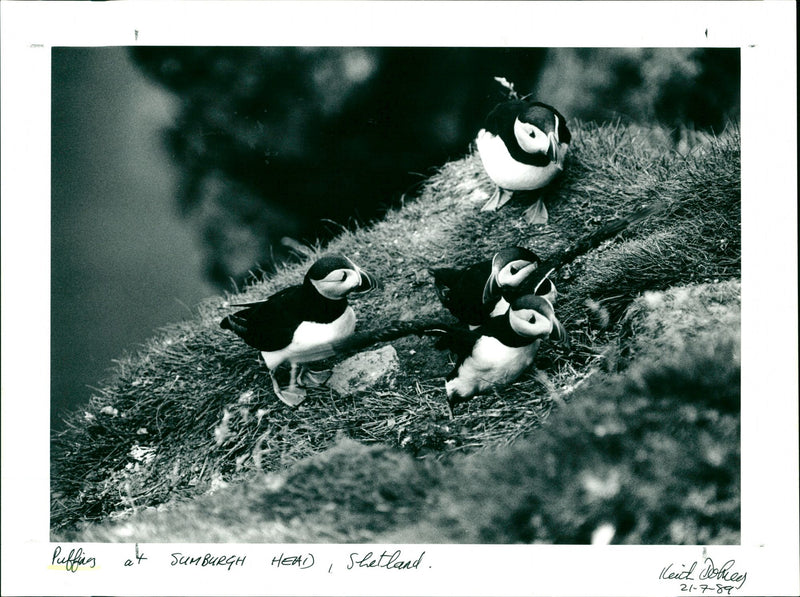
(314, 308)
(568, 289)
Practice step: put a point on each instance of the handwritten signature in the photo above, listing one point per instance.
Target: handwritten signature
(704, 571)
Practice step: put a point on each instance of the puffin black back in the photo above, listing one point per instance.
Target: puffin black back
(300, 324)
(461, 291)
(270, 324)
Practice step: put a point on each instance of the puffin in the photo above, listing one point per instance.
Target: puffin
(522, 147)
(481, 290)
(498, 352)
(300, 324)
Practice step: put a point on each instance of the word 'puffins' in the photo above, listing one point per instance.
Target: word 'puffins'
(498, 352)
(297, 324)
(522, 147)
(479, 291)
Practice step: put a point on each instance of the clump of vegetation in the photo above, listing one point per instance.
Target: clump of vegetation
(194, 409)
(649, 455)
(646, 455)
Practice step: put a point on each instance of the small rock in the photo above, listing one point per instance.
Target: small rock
(246, 397)
(142, 453)
(222, 432)
(479, 195)
(363, 370)
(603, 534)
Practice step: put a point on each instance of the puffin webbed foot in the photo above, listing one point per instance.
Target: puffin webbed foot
(498, 199)
(536, 213)
(313, 379)
(292, 396)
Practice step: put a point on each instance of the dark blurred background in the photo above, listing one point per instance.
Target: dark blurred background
(177, 171)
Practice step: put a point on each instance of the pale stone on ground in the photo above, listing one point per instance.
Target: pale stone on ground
(363, 370)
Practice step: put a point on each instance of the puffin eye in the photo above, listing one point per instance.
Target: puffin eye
(517, 266)
(344, 277)
(533, 133)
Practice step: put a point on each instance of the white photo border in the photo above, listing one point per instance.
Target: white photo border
(764, 31)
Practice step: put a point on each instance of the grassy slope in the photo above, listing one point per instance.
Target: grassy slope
(651, 452)
(160, 431)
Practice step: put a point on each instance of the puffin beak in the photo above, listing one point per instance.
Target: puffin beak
(546, 308)
(554, 151)
(558, 333)
(490, 289)
(539, 285)
(366, 282)
(545, 288)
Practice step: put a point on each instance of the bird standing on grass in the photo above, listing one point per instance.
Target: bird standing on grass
(499, 351)
(299, 324)
(522, 147)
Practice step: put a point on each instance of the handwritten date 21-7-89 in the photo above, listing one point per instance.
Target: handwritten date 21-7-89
(704, 576)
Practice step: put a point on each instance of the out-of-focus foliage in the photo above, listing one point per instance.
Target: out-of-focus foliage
(695, 88)
(272, 142)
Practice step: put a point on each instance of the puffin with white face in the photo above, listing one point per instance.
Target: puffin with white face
(522, 147)
(298, 324)
(502, 349)
(479, 291)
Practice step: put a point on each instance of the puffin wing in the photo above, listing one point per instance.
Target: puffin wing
(461, 291)
(460, 341)
(267, 325)
(500, 121)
